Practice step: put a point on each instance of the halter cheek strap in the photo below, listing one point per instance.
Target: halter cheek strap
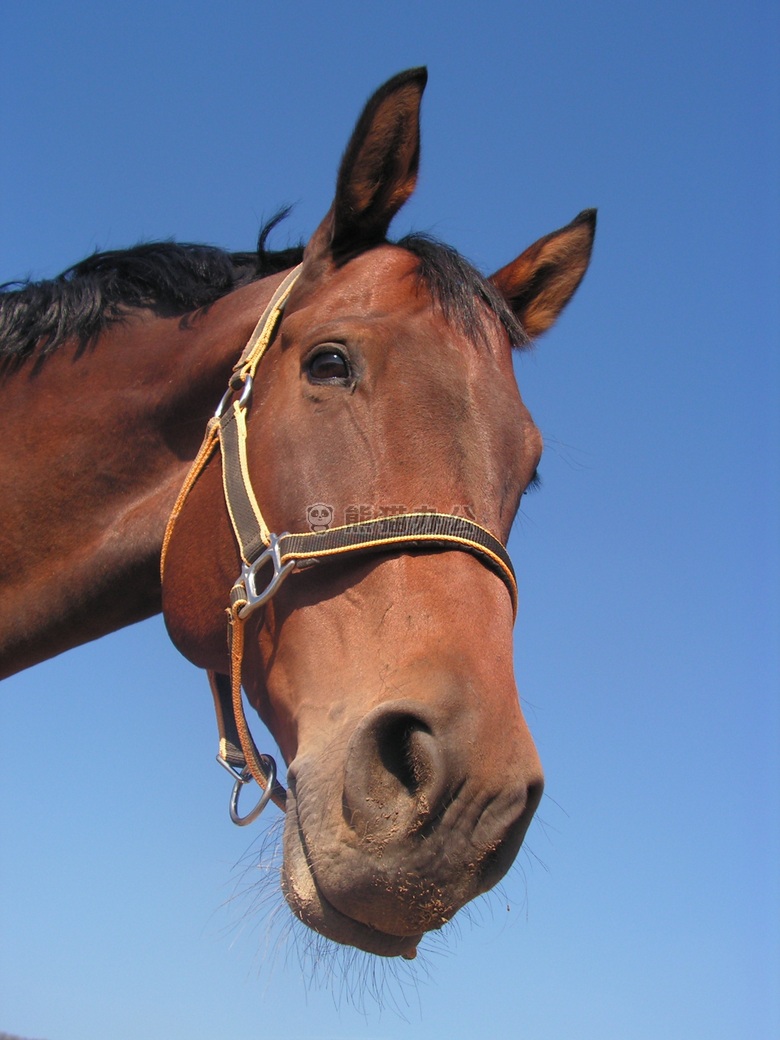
(267, 559)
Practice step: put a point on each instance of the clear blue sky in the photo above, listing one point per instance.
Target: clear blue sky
(647, 903)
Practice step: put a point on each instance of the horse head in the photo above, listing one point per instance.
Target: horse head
(386, 678)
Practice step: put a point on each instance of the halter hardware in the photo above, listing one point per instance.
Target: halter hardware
(247, 581)
(245, 777)
(287, 552)
(246, 392)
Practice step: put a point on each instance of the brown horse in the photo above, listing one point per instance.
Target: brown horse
(385, 387)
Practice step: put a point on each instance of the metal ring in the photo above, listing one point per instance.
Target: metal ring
(223, 404)
(245, 778)
(227, 397)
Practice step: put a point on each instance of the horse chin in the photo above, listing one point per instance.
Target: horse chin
(308, 903)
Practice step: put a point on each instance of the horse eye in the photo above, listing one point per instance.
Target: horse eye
(327, 366)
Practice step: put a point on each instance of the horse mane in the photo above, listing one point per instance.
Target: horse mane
(174, 279)
(171, 278)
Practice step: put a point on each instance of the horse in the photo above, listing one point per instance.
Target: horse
(334, 542)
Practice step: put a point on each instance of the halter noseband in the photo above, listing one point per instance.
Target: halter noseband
(270, 558)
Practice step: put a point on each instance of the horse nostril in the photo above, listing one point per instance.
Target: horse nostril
(499, 859)
(395, 772)
(404, 744)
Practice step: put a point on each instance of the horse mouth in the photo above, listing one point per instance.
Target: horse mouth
(308, 902)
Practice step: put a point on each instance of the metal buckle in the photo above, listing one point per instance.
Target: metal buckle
(248, 577)
(245, 777)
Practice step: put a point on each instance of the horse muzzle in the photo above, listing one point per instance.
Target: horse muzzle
(387, 839)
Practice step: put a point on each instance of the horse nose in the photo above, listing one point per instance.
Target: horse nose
(399, 773)
(433, 820)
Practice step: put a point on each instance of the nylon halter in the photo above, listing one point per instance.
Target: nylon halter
(277, 556)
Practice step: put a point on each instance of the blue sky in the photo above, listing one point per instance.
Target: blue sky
(647, 901)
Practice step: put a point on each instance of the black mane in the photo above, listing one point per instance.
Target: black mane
(171, 278)
(176, 278)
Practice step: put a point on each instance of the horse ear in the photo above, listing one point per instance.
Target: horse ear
(542, 280)
(379, 170)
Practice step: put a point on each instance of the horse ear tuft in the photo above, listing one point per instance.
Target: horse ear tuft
(378, 172)
(542, 280)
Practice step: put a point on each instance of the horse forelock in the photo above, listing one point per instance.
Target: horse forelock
(460, 290)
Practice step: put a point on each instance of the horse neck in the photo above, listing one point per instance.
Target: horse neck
(96, 444)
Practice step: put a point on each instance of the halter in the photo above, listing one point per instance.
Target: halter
(268, 559)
